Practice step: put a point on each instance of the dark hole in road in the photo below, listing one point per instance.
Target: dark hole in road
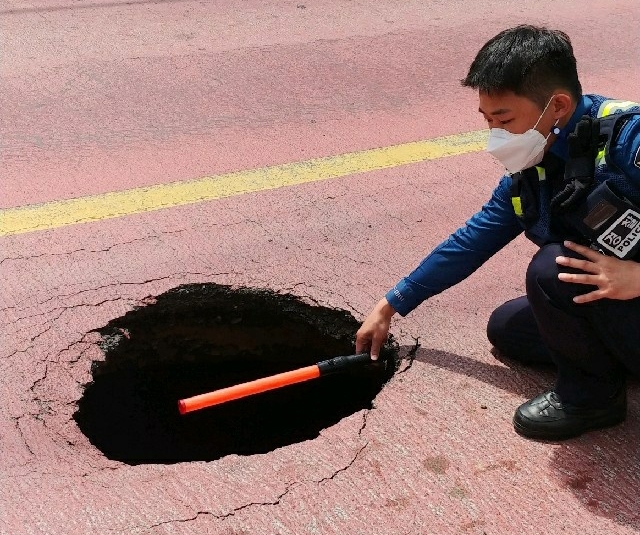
(198, 338)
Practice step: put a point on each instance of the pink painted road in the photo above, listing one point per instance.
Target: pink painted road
(107, 95)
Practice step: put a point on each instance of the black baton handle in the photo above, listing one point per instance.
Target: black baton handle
(338, 364)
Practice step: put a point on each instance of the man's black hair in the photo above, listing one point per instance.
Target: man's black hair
(531, 61)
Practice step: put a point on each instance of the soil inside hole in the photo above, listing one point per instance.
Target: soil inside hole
(198, 338)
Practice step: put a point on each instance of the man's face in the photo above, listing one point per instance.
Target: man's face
(515, 113)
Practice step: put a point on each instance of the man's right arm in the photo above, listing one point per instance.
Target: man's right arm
(452, 261)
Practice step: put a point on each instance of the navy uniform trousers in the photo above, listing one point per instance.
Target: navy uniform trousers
(594, 345)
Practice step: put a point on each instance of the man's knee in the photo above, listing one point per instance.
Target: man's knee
(513, 331)
(542, 278)
(496, 328)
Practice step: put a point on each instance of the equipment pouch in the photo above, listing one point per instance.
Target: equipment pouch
(609, 221)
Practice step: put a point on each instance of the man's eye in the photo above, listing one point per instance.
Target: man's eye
(506, 122)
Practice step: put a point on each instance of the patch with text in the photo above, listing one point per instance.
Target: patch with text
(622, 237)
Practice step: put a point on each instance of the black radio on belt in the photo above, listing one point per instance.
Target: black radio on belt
(609, 221)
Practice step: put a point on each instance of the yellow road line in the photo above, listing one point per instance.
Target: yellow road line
(55, 214)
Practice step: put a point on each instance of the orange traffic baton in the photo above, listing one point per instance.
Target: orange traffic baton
(320, 369)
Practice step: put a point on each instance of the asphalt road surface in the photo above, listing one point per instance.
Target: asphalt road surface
(312, 148)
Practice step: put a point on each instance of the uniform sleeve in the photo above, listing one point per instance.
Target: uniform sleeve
(624, 154)
(488, 231)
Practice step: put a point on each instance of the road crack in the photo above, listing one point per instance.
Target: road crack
(103, 287)
(278, 498)
(410, 356)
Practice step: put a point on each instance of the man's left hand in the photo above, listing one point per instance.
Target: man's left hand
(615, 278)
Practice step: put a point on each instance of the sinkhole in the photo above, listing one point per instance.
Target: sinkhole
(202, 337)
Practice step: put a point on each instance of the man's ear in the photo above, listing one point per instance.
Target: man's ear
(562, 105)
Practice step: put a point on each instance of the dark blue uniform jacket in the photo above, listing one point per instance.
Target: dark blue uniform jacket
(496, 224)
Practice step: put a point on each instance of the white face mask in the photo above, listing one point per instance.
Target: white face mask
(519, 151)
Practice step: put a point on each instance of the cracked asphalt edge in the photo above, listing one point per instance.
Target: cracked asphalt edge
(277, 500)
(408, 357)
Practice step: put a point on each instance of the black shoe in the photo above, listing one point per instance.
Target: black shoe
(547, 418)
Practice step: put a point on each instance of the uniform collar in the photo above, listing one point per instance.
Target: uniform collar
(559, 147)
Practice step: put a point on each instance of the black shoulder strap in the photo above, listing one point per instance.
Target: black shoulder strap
(553, 166)
(525, 188)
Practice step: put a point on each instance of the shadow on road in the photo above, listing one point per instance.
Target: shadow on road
(601, 468)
